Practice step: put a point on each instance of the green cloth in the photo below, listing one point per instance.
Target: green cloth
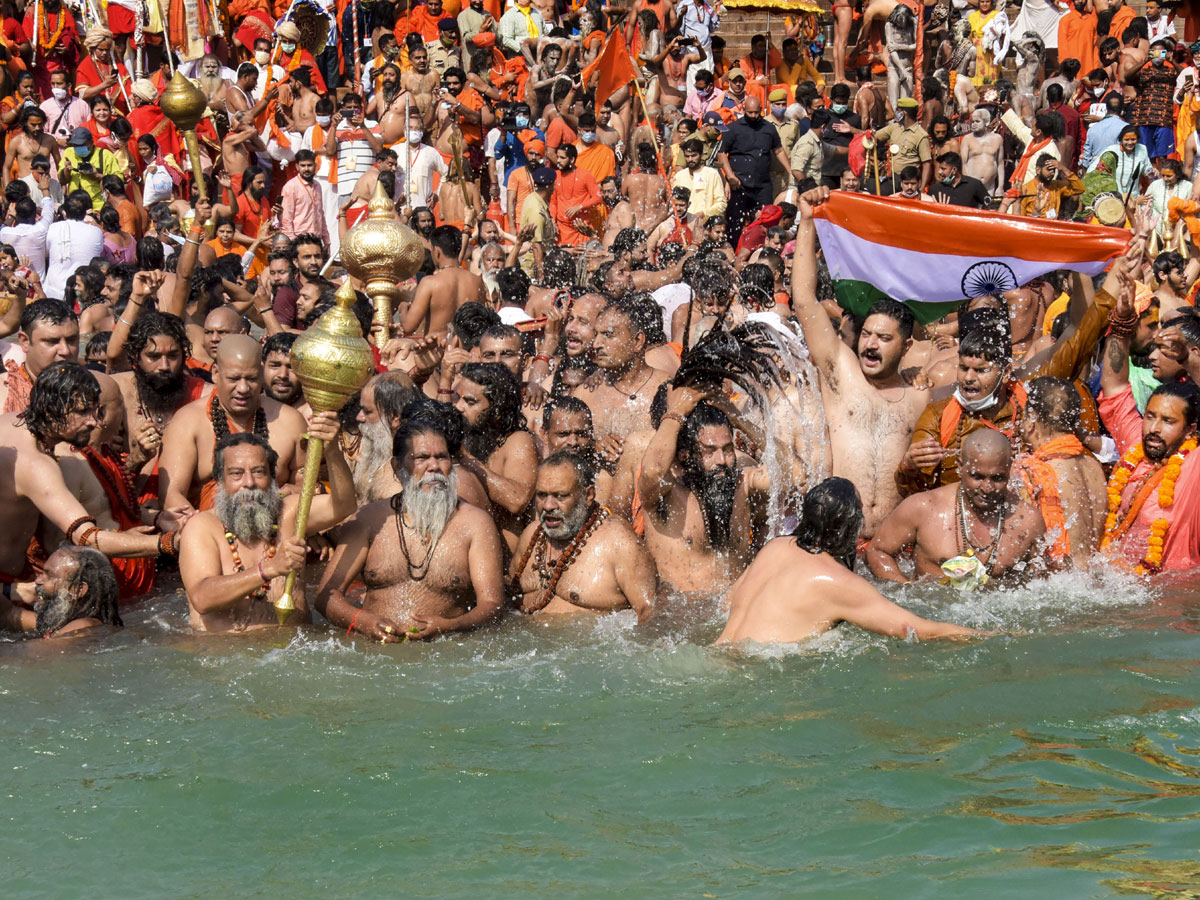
(1099, 181)
(1142, 382)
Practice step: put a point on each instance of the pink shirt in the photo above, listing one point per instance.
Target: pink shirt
(1182, 550)
(303, 211)
(695, 106)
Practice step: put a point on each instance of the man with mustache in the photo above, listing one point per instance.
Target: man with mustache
(280, 382)
(695, 497)
(63, 408)
(187, 477)
(979, 519)
(567, 427)
(76, 592)
(576, 556)
(49, 334)
(235, 558)
(431, 563)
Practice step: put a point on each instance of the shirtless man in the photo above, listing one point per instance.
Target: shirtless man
(983, 152)
(439, 295)
(497, 449)
(980, 517)
(619, 393)
(155, 383)
(241, 144)
(49, 334)
(870, 408)
(579, 331)
(620, 211)
(609, 131)
(27, 143)
(421, 82)
(63, 408)
(1060, 475)
(608, 568)
(76, 593)
(804, 584)
(218, 324)
(211, 82)
(697, 501)
(567, 426)
(673, 64)
(459, 203)
(235, 405)
(386, 160)
(301, 100)
(234, 559)
(646, 190)
(431, 564)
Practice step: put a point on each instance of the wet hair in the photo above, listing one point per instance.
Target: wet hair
(151, 324)
(451, 422)
(393, 392)
(61, 389)
(559, 269)
(100, 602)
(585, 472)
(97, 343)
(646, 315)
(411, 428)
(236, 440)
(559, 387)
(48, 311)
(503, 392)
(758, 285)
(280, 342)
(448, 239)
(569, 405)
(1055, 403)
(1188, 325)
(514, 285)
(471, 320)
(1181, 390)
(897, 312)
(717, 516)
(1167, 262)
(626, 240)
(986, 343)
(831, 519)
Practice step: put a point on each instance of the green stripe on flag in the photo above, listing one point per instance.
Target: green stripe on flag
(860, 296)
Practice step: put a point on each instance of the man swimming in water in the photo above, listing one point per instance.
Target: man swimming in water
(980, 518)
(431, 563)
(802, 585)
(576, 556)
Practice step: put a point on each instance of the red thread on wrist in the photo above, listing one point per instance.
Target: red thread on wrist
(352, 621)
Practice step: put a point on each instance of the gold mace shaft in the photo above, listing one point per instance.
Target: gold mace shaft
(284, 606)
(192, 142)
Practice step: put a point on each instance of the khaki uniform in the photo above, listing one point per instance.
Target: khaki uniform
(913, 143)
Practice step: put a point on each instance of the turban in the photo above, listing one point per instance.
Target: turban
(96, 36)
(288, 31)
(484, 39)
(537, 146)
(1141, 297)
(144, 89)
(770, 215)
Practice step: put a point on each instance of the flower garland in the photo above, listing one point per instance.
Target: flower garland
(47, 43)
(1157, 540)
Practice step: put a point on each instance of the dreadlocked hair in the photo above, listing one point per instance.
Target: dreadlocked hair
(151, 324)
(741, 356)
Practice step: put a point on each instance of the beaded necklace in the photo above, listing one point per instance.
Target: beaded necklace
(261, 592)
(123, 491)
(220, 421)
(538, 549)
(420, 571)
(986, 553)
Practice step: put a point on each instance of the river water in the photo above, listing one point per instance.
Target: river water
(587, 759)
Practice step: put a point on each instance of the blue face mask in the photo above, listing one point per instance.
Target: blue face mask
(522, 121)
(587, 136)
(839, 108)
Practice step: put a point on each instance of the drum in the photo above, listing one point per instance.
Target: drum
(1109, 209)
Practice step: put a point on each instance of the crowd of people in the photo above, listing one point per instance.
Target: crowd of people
(620, 378)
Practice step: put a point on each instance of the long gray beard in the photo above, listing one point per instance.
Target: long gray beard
(54, 610)
(250, 514)
(376, 449)
(571, 523)
(429, 510)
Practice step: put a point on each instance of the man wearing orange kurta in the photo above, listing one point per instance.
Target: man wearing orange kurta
(422, 20)
(594, 156)
(520, 180)
(1077, 37)
(575, 195)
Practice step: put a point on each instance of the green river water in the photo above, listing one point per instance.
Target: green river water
(588, 759)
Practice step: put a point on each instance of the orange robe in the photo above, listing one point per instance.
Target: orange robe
(574, 188)
(597, 159)
(1077, 40)
(135, 577)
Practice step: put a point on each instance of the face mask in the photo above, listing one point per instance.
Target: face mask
(415, 135)
(324, 121)
(839, 108)
(391, 52)
(949, 179)
(1099, 92)
(587, 136)
(60, 94)
(982, 403)
(288, 48)
(522, 121)
(778, 109)
(706, 92)
(262, 57)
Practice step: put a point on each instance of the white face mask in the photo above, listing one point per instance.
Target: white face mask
(288, 48)
(60, 94)
(324, 121)
(262, 57)
(415, 135)
(982, 403)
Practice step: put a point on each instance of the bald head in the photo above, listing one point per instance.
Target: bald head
(226, 318)
(987, 445)
(240, 349)
(752, 105)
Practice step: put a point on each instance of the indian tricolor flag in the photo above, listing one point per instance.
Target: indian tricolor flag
(932, 256)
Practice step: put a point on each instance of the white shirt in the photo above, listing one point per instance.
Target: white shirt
(1163, 27)
(275, 73)
(417, 182)
(30, 240)
(353, 157)
(35, 192)
(69, 245)
(670, 297)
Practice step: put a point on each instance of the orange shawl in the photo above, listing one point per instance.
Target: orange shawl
(953, 413)
(20, 386)
(1041, 481)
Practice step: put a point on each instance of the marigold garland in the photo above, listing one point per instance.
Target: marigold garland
(1157, 541)
(48, 43)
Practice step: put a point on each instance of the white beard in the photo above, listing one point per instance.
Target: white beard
(250, 514)
(376, 450)
(429, 510)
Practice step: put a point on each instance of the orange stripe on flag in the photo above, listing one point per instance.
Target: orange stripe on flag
(614, 65)
(936, 228)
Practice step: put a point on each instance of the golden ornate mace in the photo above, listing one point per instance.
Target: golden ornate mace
(184, 105)
(333, 362)
(380, 253)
